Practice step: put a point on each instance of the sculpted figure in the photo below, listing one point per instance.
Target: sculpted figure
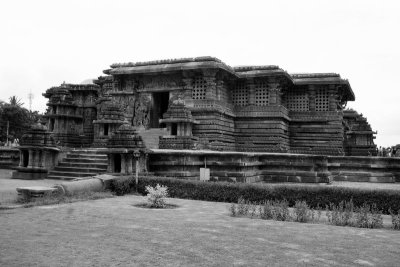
(141, 112)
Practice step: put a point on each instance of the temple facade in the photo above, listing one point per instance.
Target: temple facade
(202, 103)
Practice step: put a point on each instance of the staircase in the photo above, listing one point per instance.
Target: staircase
(80, 163)
(151, 136)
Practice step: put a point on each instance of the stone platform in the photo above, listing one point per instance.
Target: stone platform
(272, 167)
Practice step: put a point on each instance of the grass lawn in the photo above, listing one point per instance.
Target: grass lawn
(113, 232)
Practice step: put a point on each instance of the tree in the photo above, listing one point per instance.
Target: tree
(17, 118)
(15, 101)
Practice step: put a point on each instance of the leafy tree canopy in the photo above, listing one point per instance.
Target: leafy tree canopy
(19, 119)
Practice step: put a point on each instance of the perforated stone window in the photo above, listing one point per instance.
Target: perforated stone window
(199, 88)
(240, 95)
(297, 99)
(262, 94)
(322, 100)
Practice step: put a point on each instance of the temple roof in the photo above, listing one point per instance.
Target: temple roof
(168, 65)
(207, 62)
(323, 78)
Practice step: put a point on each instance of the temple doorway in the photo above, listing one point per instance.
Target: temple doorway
(160, 106)
(117, 163)
(25, 158)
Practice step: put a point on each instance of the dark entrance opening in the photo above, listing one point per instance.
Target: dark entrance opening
(105, 130)
(117, 163)
(51, 125)
(174, 129)
(160, 106)
(26, 158)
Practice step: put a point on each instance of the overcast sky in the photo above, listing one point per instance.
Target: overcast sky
(43, 43)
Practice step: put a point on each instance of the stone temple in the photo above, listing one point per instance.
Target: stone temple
(248, 123)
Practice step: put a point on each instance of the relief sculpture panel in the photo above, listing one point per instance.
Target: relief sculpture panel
(141, 111)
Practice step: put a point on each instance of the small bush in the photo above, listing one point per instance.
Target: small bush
(302, 212)
(281, 211)
(341, 214)
(242, 207)
(368, 216)
(232, 210)
(395, 220)
(252, 210)
(156, 196)
(345, 214)
(266, 210)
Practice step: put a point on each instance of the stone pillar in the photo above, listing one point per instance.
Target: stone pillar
(187, 88)
(211, 84)
(129, 163)
(30, 160)
(252, 92)
(190, 129)
(123, 164)
(274, 94)
(44, 158)
(311, 97)
(36, 158)
(220, 89)
(332, 97)
(110, 165)
(21, 158)
(40, 158)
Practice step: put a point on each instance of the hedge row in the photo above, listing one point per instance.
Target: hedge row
(315, 196)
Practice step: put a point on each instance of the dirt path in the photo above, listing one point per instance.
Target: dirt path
(112, 232)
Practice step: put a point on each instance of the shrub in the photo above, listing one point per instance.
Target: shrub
(232, 210)
(341, 214)
(281, 211)
(156, 196)
(368, 216)
(252, 210)
(314, 196)
(266, 210)
(395, 220)
(122, 185)
(242, 207)
(302, 212)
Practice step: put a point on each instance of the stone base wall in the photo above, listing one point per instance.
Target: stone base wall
(178, 142)
(262, 135)
(365, 169)
(272, 167)
(9, 157)
(214, 128)
(318, 133)
(29, 173)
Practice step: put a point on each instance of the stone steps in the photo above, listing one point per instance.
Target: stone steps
(80, 163)
(85, 160)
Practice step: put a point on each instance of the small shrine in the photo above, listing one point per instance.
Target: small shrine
(38, 153)
(110, 117)
(179, 122)
(126, 151)
(359, 138)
